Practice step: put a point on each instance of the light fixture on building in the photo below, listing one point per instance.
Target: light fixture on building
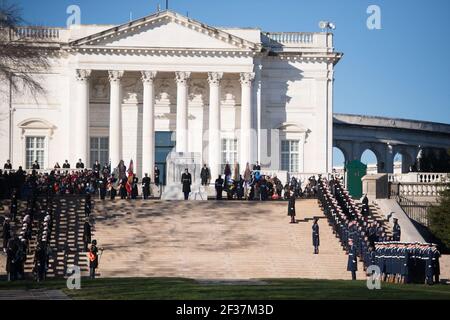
(327, 25)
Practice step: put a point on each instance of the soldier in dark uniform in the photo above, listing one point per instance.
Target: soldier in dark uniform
(396, 232)
(122, 188)
(102, 187)
(41, 260)
(87, 205)
(86, 234)
(13, 207)
(219, 187)
(186, 180)
(205, 175)
(6, 234)
(156, 176)
(146, 186)
(429, 265)
(436, 264)
(315, 236)
(352, 264)
(291, 208)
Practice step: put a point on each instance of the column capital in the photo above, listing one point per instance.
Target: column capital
(182, 77)
(115, 75)
(214, 78)
(83, 74)
(246, 78)
(148, 76)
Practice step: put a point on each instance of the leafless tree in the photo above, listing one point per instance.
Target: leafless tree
(20, 60)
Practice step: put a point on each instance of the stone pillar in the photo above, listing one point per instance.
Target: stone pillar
(214, 123)
(82, 117)
(148, 124)
(182, 79)
(115, 118)
(246, 121)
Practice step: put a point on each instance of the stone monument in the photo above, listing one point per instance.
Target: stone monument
(177, 162)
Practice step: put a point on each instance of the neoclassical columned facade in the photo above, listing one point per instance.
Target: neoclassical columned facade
(165, 81)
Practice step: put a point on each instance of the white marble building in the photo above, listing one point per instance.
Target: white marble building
(231, 94)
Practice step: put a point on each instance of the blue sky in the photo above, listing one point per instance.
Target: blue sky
(399, 71)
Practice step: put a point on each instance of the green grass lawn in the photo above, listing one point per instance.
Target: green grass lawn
(186, 289)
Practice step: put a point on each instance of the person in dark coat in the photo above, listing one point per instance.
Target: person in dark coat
(6, 233)
(291, 208)
(186, 180)
(8, 165)
(96, 168)
(134, 188)
(157, 173)
(66, 165)
(315, 236)
(219, 187)
(80, 164)
(35, 165)
(396, 231)
(41, 261)
(102, 186)
(352, 264)
(146, 186)
(13, 207)
(205, 175)
(86, 234)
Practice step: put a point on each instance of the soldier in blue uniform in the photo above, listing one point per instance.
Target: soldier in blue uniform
(186, 180)
(315, 236)
(429, 265)
(436, 264)
(352, 264)
(219, 187)
(396, 231)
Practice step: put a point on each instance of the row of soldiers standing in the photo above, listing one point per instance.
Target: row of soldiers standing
(406, 262)
(397, 262)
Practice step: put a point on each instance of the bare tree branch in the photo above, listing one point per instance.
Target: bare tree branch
(19, 58)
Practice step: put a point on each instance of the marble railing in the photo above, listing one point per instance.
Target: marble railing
(416, 190)
(420, 177)
(291, 37)
(37, 33)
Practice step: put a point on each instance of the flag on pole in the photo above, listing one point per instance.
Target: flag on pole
(130, 177)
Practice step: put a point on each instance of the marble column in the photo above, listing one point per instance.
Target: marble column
(82, 117)
(182, 79)
(148, 124)
(246, 120)
(115, 118)
(214, 123)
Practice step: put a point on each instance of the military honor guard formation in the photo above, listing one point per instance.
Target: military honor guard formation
(363, 238)
(367, 241)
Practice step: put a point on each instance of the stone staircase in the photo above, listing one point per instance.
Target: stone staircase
(66, 242)
(215, 240)
(377, 215)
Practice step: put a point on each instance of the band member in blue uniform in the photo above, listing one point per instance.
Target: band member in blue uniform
(291, 208)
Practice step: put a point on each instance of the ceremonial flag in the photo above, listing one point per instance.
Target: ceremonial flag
(130, 177)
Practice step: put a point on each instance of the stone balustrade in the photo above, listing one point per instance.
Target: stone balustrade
(37, 33)
(291, 37)
(417, 190)
(420, 177)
